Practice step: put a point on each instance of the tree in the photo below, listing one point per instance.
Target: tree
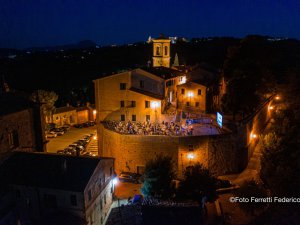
(197, 183)
(251, 189)
(158, 176)
(47, 99)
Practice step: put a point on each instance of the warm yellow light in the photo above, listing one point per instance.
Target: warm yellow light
(95, 137)
(253, 136)
(182, 80)
(94, 111)
(190, 156)
(271, 107)
(154, 105)
(277, 97)
(190, 94)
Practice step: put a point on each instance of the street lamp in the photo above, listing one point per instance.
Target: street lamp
(94, 114)
(190, 94)
(253, 135)
(154, 106)
(190, 156)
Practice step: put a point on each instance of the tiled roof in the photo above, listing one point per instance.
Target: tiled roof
(163, 72)
(82, 108)
(51, 171)
(150, 94)
(64, 109)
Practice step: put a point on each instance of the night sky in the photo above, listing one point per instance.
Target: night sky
(38, 23)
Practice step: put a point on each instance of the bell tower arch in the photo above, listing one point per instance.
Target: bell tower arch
(161, 52)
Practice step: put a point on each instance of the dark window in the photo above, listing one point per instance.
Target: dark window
(122, 104)
(157, 50)
(111, 189)
(101, 204)
(13, 139)
(50, 201)
(147, 104)
(110, 171)
(133, 117)
(197, 104)
(170, 83)
(122, 117)
(187, 103)
(90, 195)
(182, 91)
(133, 103)
(191, 147)
(147, 117)
(73, 200)
(122, 86)
(142, 84)
(104, 198)
(199, 91)
(166, 50)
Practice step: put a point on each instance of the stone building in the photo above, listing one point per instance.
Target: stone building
(161, 52)
(65, 115)
(21, 124)
(72, 115)
(41, 187)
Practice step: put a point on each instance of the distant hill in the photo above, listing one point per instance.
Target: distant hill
(85, 44)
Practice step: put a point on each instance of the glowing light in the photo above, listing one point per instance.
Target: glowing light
(277, 97)
(95, 137)
(182, 80)
(253, 136)
(115, 181)
(190, 156)
(190, 94)
(154, 105)
(271, 107)
(94, 111)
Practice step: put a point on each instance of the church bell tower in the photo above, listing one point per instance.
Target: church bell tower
(161, 52)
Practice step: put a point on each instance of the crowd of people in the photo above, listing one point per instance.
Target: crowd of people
(148, 128)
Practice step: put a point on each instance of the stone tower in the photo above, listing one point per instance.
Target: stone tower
(161, 51)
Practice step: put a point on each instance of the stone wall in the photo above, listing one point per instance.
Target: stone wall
(21, 122)
(217, 153)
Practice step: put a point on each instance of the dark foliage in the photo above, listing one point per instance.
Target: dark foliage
(251, 189)
(158, 177)
(197, 183)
